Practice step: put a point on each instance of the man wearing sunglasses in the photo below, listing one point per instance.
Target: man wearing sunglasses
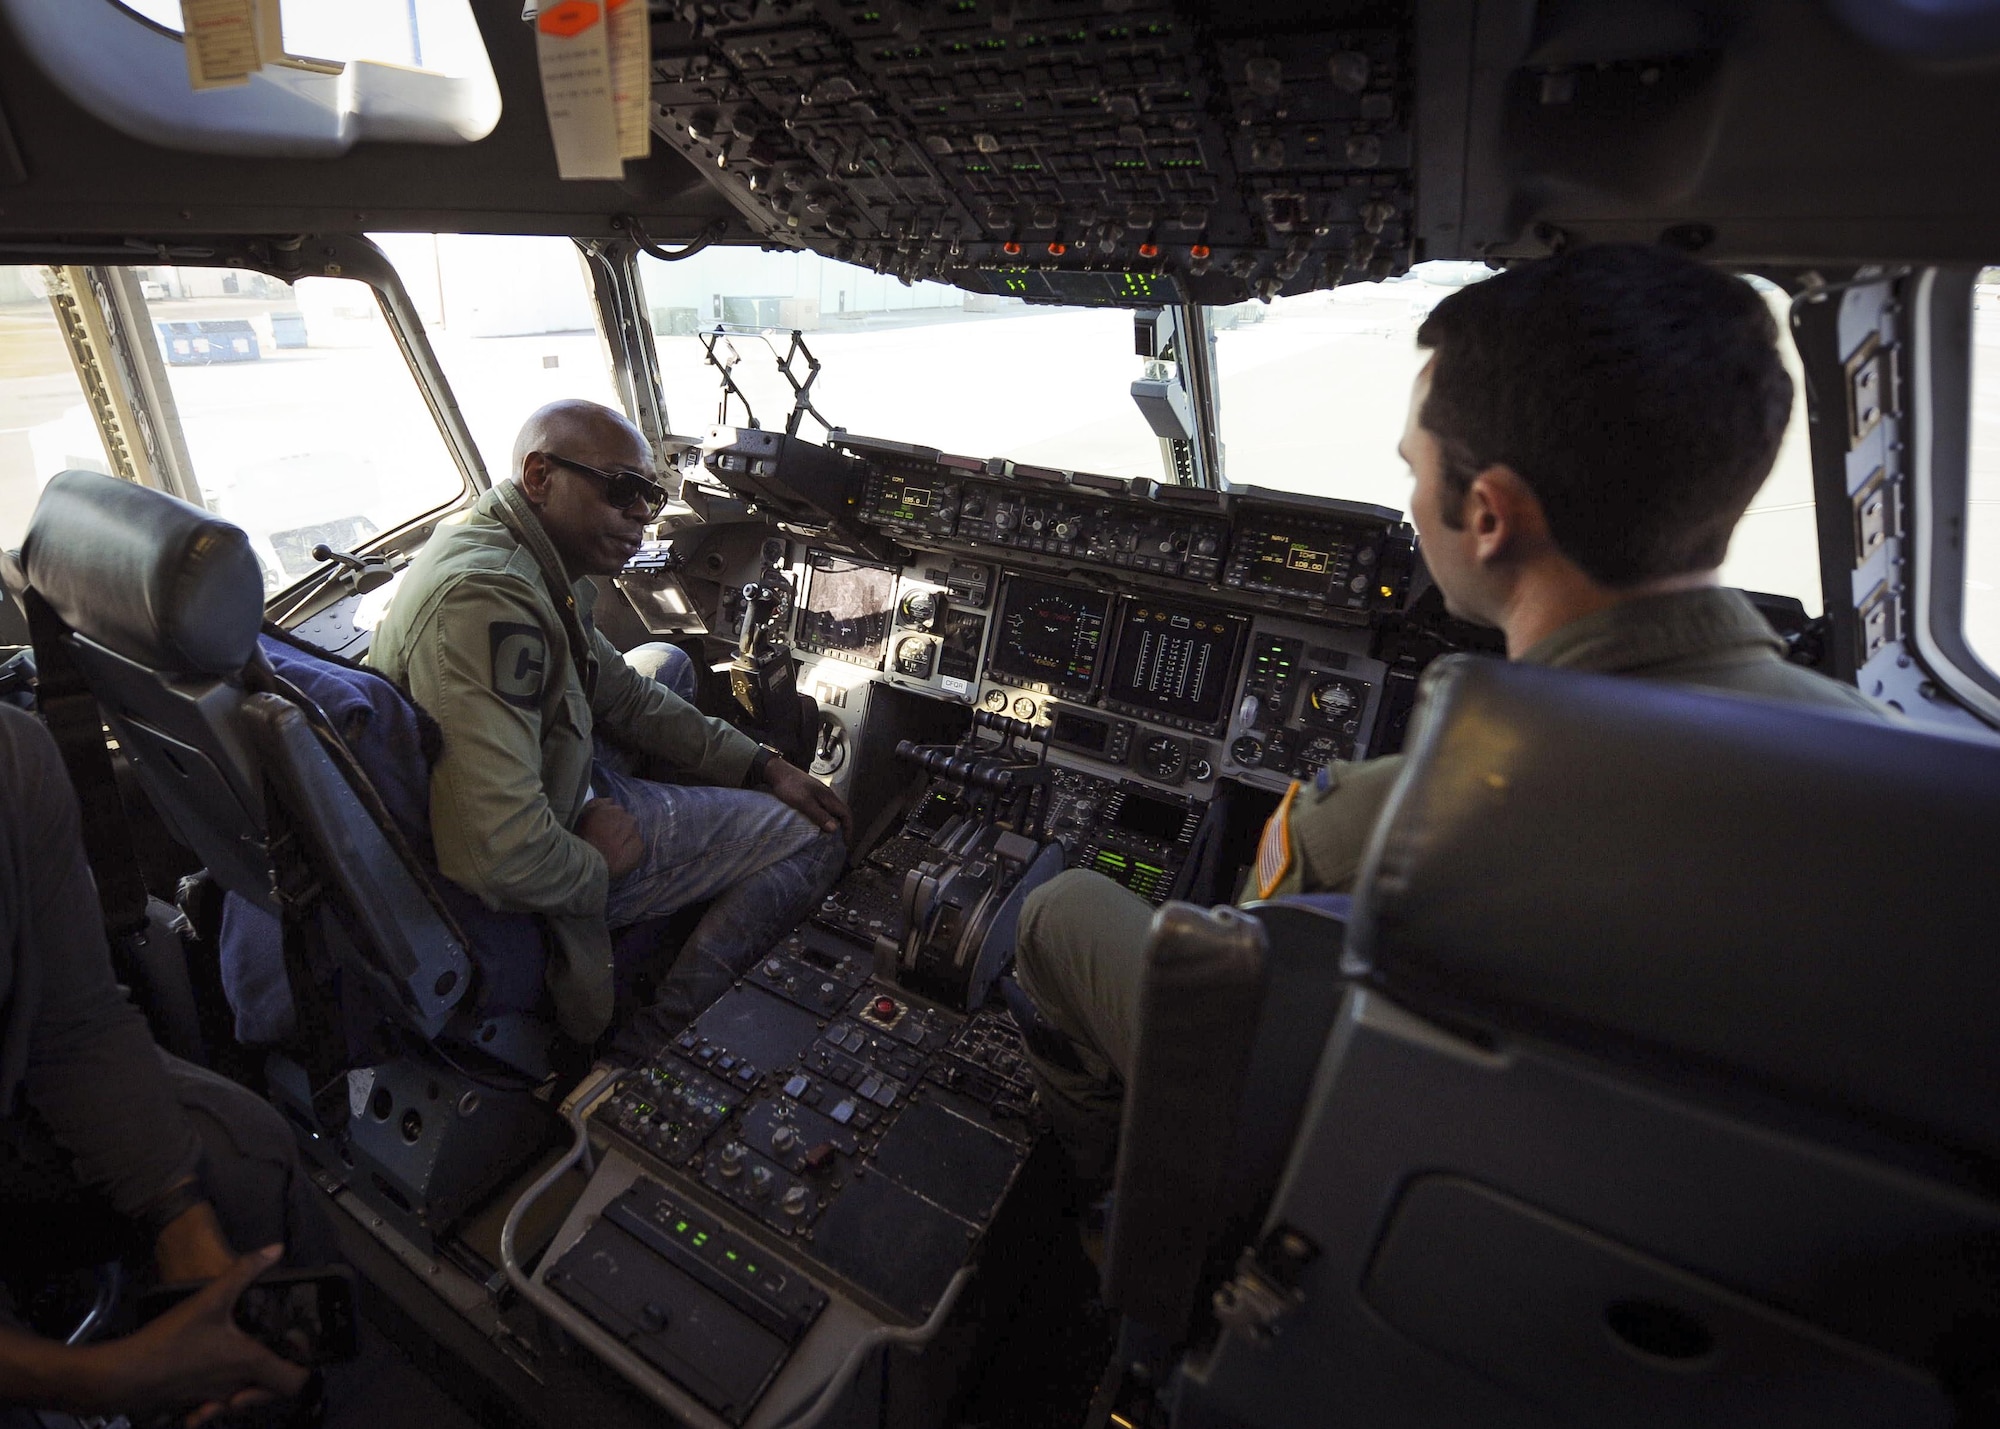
(491, 632)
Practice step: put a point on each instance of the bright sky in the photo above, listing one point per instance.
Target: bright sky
(433, 34)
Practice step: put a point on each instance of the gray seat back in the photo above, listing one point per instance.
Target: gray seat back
(163, 602)
(1665, 1093)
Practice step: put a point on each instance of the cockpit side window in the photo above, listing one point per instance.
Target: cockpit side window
(1314, 390)
(302, 421)
(1982, 525)
(45, 418)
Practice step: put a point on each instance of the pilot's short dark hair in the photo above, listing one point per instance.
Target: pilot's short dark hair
(1637, 392)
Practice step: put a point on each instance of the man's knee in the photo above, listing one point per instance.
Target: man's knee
(250, 1166)
(665, 664)
(1045, 912)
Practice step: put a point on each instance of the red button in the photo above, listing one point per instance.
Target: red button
(885, 1007)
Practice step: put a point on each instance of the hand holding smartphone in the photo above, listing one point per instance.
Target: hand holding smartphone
(305, 1316)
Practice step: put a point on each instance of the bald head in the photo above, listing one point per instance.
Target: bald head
(559, 449)
(572, 427)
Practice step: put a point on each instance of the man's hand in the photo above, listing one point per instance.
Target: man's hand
(195, 1355)
(810, 797)
(612, 831)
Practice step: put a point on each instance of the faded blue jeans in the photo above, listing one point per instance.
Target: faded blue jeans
(763, 864)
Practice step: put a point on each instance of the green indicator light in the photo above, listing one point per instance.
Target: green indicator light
(731, 1255)
(869, 17)
(701, 1237)
(680, 1227)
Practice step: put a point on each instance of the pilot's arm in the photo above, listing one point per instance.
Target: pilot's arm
(484, 665)
(656, 721)
(1315, 841)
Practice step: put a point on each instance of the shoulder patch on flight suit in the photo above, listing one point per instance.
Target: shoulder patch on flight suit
(520, 662)
(1274, 850)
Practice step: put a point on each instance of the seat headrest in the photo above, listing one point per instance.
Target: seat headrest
(1794, 895)
(150, 577)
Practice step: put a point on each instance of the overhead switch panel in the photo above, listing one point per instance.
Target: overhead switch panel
(1029, 148)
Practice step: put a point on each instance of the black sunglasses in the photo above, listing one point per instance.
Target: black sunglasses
(621, 488)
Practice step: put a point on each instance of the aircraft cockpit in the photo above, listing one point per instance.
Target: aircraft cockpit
(1022, 382)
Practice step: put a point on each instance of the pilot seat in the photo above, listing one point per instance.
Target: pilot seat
(1649, 1080)
(402, 1015)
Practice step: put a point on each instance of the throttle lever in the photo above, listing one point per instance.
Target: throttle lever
(1008, 725)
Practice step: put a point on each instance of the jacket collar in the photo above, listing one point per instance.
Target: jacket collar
(506, 504)
(1658, 630)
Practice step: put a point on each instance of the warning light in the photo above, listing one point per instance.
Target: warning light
(1149, 250)
(1199, 250)
(1012, 250)
(569, 19)
(1056, 250)
(1387, 592)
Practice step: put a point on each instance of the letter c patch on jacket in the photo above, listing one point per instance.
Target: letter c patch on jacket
(520, 661)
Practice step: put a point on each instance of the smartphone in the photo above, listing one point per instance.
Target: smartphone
(305, 1316)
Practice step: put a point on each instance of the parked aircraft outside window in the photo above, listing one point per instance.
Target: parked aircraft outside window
(302, 419)
(45, 424)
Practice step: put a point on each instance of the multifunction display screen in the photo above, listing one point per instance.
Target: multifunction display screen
(847, 608)
(1155, 819)
(1176, 665)
(1049, 637)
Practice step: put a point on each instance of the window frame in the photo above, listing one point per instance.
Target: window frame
(1940, 488)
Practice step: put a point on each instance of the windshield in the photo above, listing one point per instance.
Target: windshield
(1315, 390)
(513, 323)
(927, 363)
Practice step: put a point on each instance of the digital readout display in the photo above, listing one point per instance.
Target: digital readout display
(910, 496)
(1175, 661)
(1049, 636)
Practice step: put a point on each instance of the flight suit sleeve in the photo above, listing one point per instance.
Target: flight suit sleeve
(481, 664)
(655, 720)
(1315, 840)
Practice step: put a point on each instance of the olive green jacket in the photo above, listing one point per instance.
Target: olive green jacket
(1711, 638)
(479, 633)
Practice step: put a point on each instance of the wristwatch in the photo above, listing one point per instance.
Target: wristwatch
(753, 777)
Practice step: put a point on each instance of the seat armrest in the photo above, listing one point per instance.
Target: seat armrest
(1199, 999)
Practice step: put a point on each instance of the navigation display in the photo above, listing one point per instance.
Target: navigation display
(1048, 637)
(846, 610)
(1176, 665)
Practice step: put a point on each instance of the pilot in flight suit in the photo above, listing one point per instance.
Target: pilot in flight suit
(1599, 559)
(491, 632)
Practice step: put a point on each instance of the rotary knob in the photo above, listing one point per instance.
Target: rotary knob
(1066, 530)
(730, 1162)
(794, 1201)
(762, 1179)
(784, 1137)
